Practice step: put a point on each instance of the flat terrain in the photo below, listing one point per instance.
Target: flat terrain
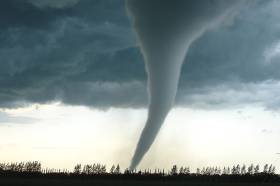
(106, 182)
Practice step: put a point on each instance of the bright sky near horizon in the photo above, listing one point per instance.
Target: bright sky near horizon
(60, 136)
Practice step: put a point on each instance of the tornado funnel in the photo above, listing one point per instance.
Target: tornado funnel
(165, 30)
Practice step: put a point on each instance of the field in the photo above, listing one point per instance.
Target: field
(125, 181)
(81, 182)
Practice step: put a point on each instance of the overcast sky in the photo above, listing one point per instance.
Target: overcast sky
(80, 57)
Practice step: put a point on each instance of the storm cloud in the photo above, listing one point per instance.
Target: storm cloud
(85, 53)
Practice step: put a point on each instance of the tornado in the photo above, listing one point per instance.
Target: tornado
(165, 30)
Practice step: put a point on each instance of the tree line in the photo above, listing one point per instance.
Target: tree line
(31, 166)
(100, 169)
(234, 170)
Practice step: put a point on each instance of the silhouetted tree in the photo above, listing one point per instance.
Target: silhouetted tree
(25, 168)
(34, 166)
(237, 169)
(20, 167)
(87, 169)
(217, 171)
(184, 170)
(181, 171)
(251, 169)
(228, 170)
(2, 166)
(117, 169)
(271, 169)
(127, 171)
(198, 171)
(224, 171)
(257, 169)
(102, 169)
(187, 170)
(95, 168)
(112, 170)
(233, 170)
(77, 169)
(243, 169)
(174, 170)
(265, 168)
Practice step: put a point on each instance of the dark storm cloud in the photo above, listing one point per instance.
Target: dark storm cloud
(84, 52)
(18, 14)
(236, 58)
(71, 53)
(53, 3)
(237, 50)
